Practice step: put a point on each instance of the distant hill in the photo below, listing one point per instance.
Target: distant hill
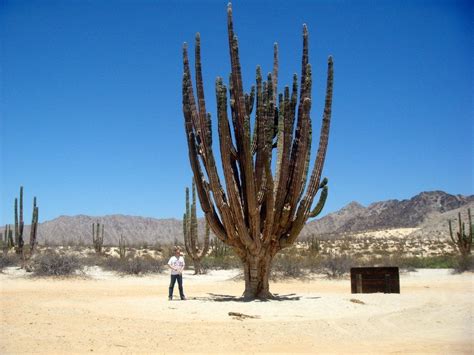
(389, 214)
(428, 211)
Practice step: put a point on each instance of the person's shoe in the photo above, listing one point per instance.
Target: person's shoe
(183, 298)
(170, 298)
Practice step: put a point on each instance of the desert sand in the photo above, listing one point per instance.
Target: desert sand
(111, 314)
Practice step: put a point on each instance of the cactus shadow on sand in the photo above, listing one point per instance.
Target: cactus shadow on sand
(214, 297)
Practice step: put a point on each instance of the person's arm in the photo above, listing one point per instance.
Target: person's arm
(171, 266)
(181, 268)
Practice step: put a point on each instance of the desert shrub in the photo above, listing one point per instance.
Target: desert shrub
(412, 262)
(51, 263)
(288, 265)
(92, 259)
(133, 265)
(225, 262)
(10, 259)
(337, 265)
(464, 263)
(158, 247)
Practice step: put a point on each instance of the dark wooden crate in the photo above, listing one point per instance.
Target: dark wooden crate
(375, 279)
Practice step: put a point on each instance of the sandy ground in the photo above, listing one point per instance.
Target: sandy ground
(110, 314)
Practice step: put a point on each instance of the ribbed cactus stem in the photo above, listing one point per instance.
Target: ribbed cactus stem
(190, 232)
(21, 215)
(7, 239)
(462, 239)
(34, 227)
(16, 221)
(122, 247)
(98, 237)
(19, 224)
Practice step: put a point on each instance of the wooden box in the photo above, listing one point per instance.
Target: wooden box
(375, 279)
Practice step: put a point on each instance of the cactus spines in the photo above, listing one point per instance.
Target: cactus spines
(462, 239)
(190, 231)
(257, 211)
(98, 236)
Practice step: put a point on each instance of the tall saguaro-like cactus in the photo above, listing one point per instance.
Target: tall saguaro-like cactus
(462, 239)
(98, 237)
(190, 231)
(7, 239)
(34, 228)
(19, 224)
(260, 212)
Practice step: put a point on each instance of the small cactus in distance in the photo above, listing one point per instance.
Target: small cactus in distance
(122, 247)
(462, 239)
(218, 248)
(98, 237)
(190, 231)
(7, 241)
(313, 245)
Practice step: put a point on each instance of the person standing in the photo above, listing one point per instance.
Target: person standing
(176, 264)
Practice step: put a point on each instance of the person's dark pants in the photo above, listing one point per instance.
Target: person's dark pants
(180, 285)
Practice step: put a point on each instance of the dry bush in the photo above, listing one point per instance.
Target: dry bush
(221, 262)
(51, 263)
(9, 259)
(337, 265)
(464, 263)
(288, 265)
(133, 265)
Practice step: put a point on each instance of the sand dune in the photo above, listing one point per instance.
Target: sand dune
(110, 314)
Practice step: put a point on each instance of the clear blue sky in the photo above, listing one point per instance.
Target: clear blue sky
(91, 116)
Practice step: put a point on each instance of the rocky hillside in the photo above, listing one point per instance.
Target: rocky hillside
(428, 210)
(390, 214)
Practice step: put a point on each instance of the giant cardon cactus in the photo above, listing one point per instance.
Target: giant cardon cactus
(263, 205)
(190, 231)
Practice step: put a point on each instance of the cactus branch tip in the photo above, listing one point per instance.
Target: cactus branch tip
(323, 183)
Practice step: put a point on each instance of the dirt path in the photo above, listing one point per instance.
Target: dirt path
(108, 314)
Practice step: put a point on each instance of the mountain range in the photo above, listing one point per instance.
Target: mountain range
(427, 211)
